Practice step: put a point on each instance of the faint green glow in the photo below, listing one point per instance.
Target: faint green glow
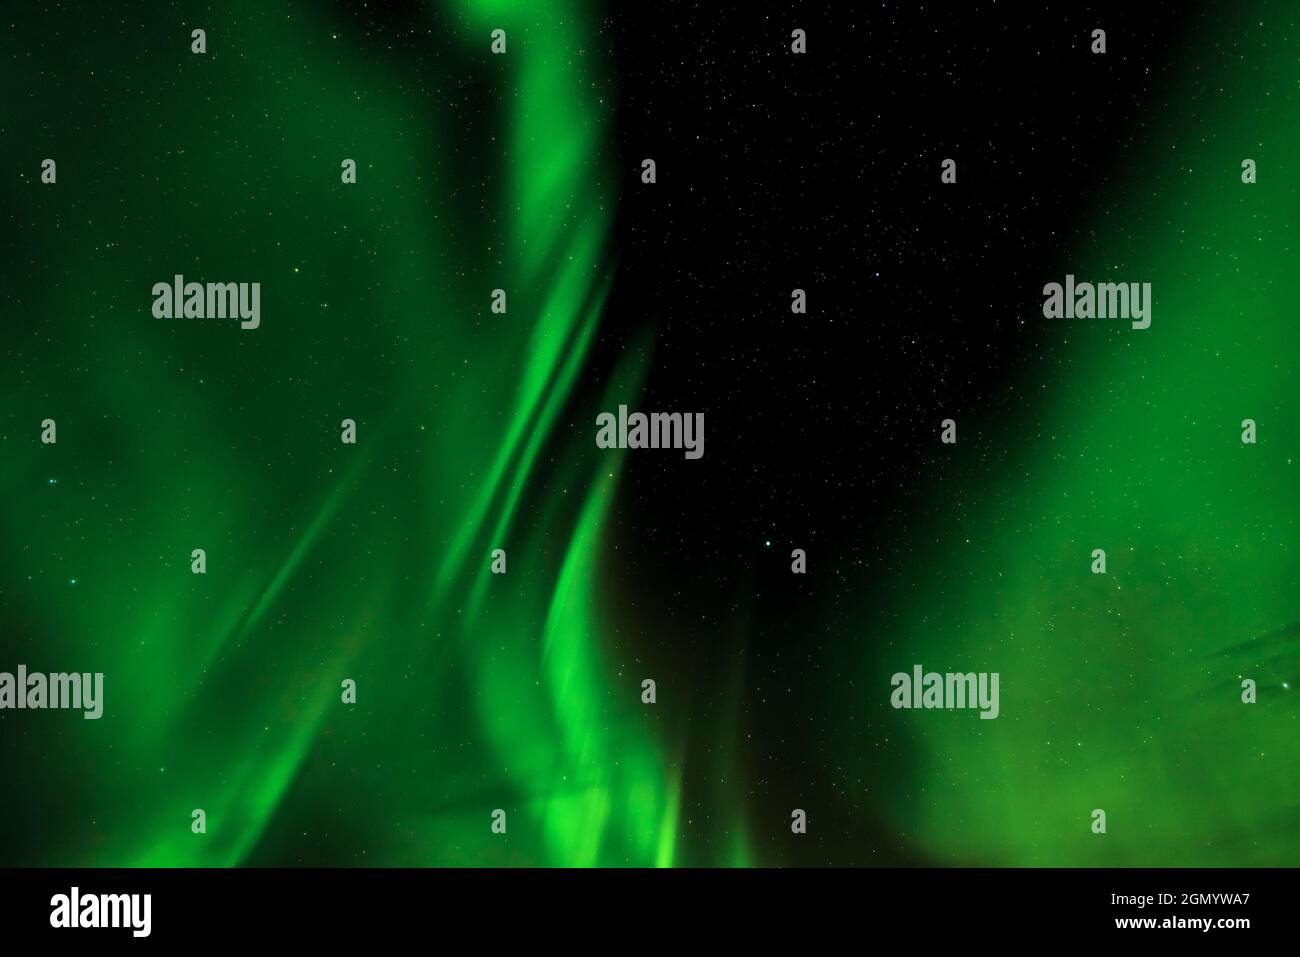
(1122, 691)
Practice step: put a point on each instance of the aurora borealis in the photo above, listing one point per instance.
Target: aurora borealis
(476, 431)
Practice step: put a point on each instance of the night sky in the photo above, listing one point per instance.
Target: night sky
(476, 430)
